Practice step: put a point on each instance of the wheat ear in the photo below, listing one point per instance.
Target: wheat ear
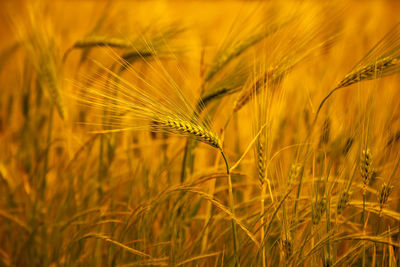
(382, 60)
(189, 128)
(162, 108)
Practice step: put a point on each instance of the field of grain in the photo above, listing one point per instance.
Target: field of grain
(199, 133)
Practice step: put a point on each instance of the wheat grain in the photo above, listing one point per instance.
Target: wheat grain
(261, 166)
(344, 199)
(370, 71)
(318, 210)
(383, 196)
(366, 169)
(191, 129)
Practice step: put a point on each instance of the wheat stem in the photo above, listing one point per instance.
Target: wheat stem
(234, 230)
(226, 162)
(262, 223)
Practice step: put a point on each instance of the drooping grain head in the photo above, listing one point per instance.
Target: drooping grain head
(260, 153)
(294, 173)
(318, 210)
(162, 107)
(344, 199)
(191, 129)
(103, 41)
(347, 146)
(369, 72)
(383, 196)
(325, 132)
(286, 246)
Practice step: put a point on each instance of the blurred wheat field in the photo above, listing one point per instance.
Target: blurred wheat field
(228, 133)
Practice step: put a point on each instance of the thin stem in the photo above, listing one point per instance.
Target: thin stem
(46, 157)
(226, 162)
(363, 225)
(232, 202)
(328, 227)
(263, 189)
(378, 229)
(234, 230)
(44, 182)
(184, 160)
(321, 104)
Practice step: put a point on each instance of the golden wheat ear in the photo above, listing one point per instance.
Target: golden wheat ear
(382, 60)
(191, 129)
(161, 108)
